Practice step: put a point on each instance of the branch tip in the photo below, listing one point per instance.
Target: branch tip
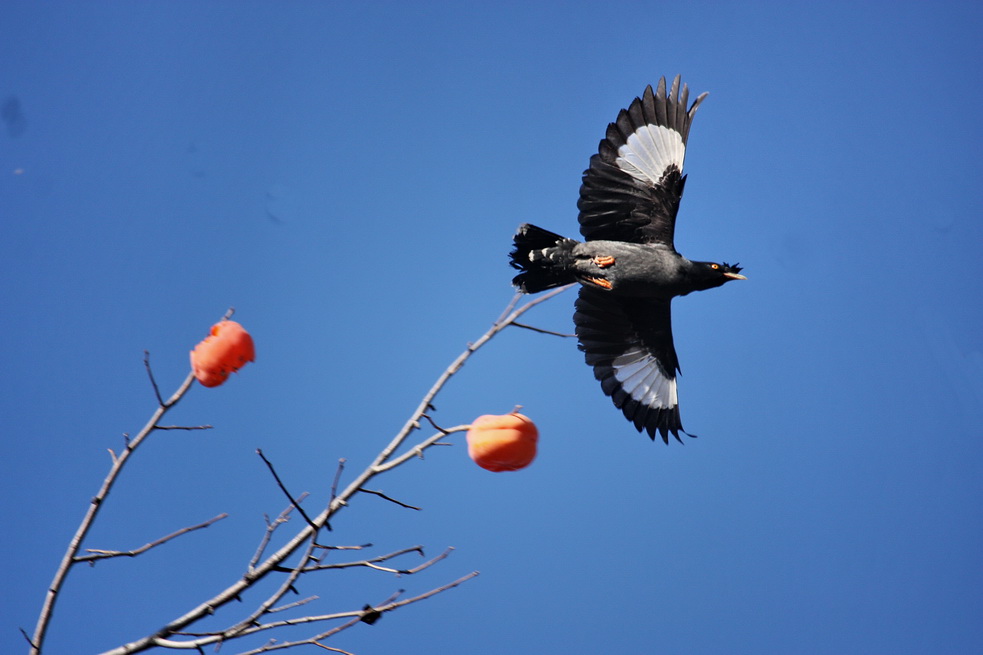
(153, 382)
(286, 493)
(434, 424)
(385, 497)
(564, 335)
(27, 637)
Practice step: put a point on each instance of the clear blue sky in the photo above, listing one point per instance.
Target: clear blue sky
(348, 176)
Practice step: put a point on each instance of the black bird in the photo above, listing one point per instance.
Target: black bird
(627, 266)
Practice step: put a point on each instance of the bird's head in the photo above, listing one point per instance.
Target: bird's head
(708, 275)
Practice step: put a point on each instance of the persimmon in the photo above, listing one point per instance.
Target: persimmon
(225, 350)
(502, 443)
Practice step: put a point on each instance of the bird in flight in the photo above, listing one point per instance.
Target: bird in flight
(627, 265)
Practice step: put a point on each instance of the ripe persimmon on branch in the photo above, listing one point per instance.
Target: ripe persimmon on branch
(504, 444)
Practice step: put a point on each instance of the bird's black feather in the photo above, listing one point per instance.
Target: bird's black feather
(608, 326)
(628, 265)
(609, 194)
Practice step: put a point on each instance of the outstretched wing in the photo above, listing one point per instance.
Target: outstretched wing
(631, 190)
(628, 341)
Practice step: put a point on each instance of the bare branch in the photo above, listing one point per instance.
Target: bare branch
(434, 424)
(69, 558)
(274, 598)
(433, 592)
(542, 331)
(27, 637)
(355, 617)
(290, 606)
(332, 649)
(284, 489)
(372, 562)
(359, 547)
(507, 318)
(393, 596)
(417, 450)
(508, 308)
(98, 553)
(271, 527)
(150, 374)
(385, 460)
(183, 427)
(366, 562)
(385, 497)
(337, 478)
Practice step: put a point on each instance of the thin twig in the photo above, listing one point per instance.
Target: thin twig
(372, 563)
(150, 374)
(393, 596)
(359, 547)
(290, 606)
(271, 527)
(27, 637)
(433, 592)
(354, 615)
(417, 450)
(390, 499)
(508, 317)
(332, 649)
(183, 427)
(283, 488)
(511, 306)
(337, 478)
(98, 553)
(366, 562)
(434, 424)
(285, 586)
(542, 331)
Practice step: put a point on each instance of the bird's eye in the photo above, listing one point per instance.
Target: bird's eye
(714, 266)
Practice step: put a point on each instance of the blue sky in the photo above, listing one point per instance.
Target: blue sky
(349, 177)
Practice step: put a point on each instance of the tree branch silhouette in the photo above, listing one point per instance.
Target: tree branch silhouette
(304, 541)
(98, 553)
(119, 461)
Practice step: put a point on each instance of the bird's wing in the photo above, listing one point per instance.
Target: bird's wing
(628, 341)
(631, 190)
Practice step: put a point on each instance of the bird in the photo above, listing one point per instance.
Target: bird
(627, 265)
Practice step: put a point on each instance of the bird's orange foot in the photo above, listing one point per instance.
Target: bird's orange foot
(603, 261)
(600, 281)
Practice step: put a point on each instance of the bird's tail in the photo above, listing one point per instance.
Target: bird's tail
(545, 259)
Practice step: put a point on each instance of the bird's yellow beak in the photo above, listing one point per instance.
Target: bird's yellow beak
(735, 276)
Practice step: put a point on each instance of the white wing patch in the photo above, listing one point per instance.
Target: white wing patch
(650, 150)
(642, 378)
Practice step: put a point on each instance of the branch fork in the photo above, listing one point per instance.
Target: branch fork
(304, 540)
